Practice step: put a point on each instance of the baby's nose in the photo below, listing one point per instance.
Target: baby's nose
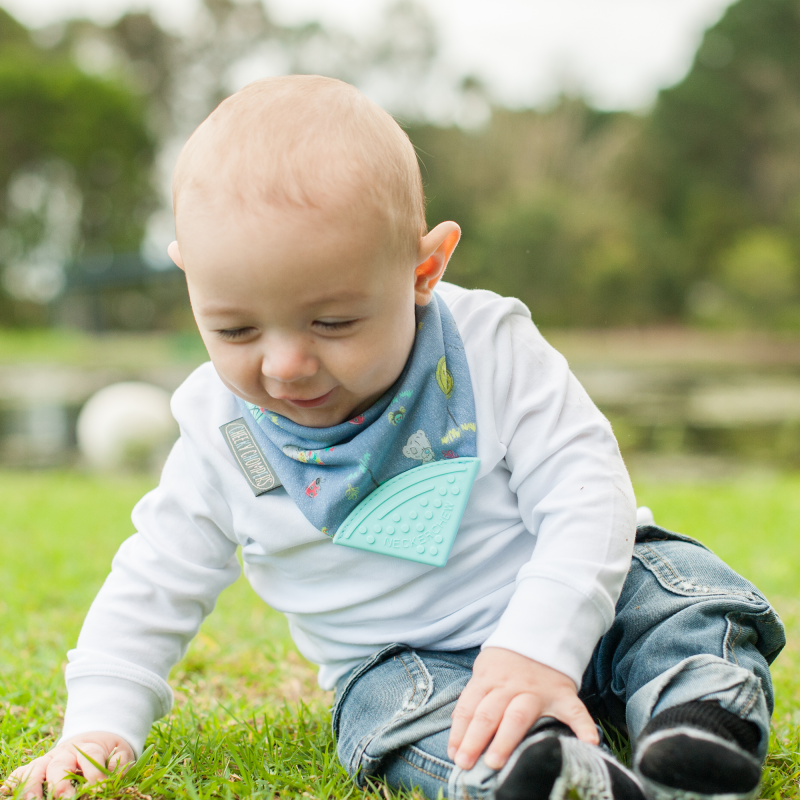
(288, 361)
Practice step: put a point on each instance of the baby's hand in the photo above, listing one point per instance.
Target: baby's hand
(53, 768)
(505, 696)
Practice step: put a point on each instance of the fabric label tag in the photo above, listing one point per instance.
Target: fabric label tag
(249, 456)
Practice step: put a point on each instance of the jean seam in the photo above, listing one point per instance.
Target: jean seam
(753, 699)
(422, 769)
(730, 644)
(433, 759)
(413, 684)
(661, 560)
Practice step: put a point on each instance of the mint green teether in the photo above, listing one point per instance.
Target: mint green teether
(415, 515)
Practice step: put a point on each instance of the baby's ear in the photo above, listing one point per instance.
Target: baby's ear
(173, 251)
(435, 250)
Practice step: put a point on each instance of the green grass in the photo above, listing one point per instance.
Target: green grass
(114, 349)
(249, 719)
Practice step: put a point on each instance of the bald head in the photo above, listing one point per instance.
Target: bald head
(304, 141)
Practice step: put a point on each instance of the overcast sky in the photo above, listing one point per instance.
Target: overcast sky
(617, 52)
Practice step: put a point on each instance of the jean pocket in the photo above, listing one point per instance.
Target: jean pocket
(689, 574)
(683, 566)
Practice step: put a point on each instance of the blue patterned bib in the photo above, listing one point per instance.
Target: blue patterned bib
(427, 416)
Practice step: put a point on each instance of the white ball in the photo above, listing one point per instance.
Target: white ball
(126, 425)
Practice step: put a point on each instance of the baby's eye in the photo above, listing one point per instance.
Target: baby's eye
(231, 334)
(334, 326)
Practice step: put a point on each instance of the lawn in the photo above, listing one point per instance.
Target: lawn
(249, 720)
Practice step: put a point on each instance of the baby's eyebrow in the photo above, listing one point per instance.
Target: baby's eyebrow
(219, 310)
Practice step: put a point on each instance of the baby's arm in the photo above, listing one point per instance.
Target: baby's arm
(164, 581)
(574, 495)
(70, 757)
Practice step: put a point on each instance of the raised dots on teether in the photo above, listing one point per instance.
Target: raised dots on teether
(414, 515)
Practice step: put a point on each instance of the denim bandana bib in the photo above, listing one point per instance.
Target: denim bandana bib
(428, 416)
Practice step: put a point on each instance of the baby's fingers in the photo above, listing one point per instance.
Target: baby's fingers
(63, 764)
(482, 727)
(571, 711)
(31, 776)
(462, 716)
(88, 769)
(519, 716)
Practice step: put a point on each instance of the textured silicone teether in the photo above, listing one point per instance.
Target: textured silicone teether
(415, 515)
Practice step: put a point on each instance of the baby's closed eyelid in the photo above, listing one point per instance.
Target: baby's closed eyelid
(231, 334)
(335, 326)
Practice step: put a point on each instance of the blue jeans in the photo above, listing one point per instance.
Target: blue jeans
(687, 627)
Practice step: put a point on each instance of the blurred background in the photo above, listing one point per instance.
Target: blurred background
(629, 168)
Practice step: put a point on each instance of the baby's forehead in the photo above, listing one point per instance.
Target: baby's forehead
(303, 142)
(336, 244)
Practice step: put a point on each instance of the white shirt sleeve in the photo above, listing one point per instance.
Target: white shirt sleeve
(573, 491)
(164, 581)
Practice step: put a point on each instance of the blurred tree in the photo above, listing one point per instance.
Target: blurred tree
(690, 212)
(12, 33)
(721, 155)
(544, 219)
(75, 158)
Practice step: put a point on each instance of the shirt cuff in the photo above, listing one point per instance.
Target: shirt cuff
(124, 705)
(551, 623)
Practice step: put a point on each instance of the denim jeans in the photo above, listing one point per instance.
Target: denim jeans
(687, 627)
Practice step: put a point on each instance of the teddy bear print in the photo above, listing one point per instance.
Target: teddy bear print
(418, 447)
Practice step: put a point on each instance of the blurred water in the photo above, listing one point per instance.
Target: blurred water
(670, 394)
(725, 411)
(39, 407)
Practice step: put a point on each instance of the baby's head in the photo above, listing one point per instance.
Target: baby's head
(301, 229)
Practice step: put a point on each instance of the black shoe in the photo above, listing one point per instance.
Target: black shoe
(698, 751)
(552, 765)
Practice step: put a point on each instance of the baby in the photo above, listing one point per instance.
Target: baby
(472, 659)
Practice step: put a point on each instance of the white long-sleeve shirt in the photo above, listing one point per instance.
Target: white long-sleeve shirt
(537, 565)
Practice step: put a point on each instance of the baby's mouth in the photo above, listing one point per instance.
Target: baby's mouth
(312, 403)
